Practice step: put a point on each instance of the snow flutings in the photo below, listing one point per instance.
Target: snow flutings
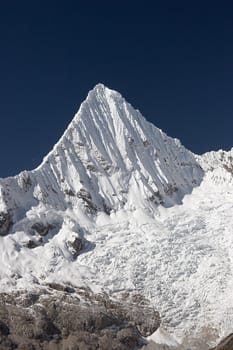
(147, 216)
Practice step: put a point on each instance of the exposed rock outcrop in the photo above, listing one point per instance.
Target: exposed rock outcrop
(86, 198)
(41, 228)
(5, 223)
(76, 245)
(66, 318)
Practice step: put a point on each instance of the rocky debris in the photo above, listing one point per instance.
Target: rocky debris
(5, 223)
(136, 310)
(41, 228)
(56, 319)
(225, 344)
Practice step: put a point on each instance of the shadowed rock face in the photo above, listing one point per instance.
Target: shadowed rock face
(42, 229)
(77, 245)
(76, 319)
(5, 222)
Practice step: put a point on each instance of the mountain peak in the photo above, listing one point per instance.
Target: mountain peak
(103, 105)
(103, 191)
(99, 87)
(118, 158)
(102, 92)
(102, 89)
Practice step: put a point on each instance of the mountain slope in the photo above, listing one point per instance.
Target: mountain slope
(117, 205)
(110, 153)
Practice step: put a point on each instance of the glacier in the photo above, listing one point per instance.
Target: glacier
(153, 218)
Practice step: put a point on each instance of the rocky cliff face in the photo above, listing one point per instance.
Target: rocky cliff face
(60, 317)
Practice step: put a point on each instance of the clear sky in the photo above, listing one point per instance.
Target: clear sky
(173, 60)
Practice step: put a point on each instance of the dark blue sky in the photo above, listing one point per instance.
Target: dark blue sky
(173, 60)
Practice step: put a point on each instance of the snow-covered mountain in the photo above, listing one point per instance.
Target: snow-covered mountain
(117, 205)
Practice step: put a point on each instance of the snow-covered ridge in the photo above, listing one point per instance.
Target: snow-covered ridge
(118, 205)
(218, 166)
(109, 158)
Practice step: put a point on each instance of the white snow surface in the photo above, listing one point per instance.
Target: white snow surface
(160, 336)
(155, 218)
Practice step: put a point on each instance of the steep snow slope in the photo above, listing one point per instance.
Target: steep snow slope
(153, 218)
(109, 153)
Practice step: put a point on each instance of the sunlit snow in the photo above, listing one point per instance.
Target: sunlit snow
(156, 219)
